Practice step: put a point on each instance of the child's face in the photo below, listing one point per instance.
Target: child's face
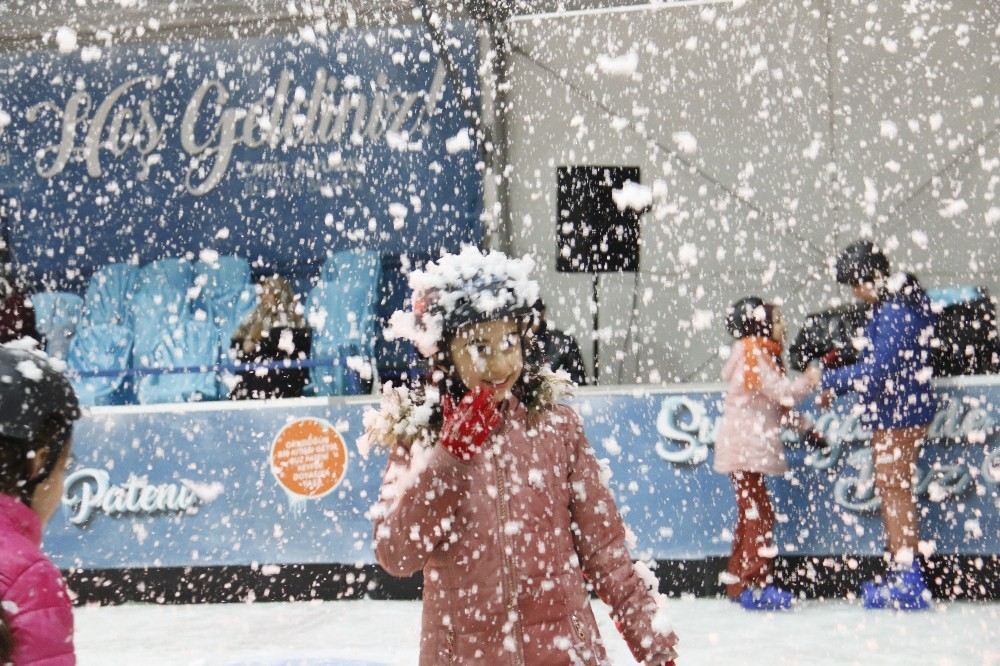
(777, 326)
(866, 292)
(488, 354)
(48, 494)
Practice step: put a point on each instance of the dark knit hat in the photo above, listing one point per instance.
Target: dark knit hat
(748, 317)
(861, 262)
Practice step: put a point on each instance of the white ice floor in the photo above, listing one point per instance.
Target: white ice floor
(370, 633)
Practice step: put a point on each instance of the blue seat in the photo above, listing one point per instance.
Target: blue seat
(191, 345)
(222, 279)
(351, 299)
(175, 273)
(101, 348)
(227, 296)
(227, 315)
(157, 312)
(108, 296)
(343, 314)
(57, 314)
(349, 371)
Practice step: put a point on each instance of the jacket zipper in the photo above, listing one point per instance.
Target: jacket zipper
(508, 578)
(450, 640)
(577, 627)
(587, 646)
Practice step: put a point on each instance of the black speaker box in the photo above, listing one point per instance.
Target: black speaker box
(967, 342)
(592, 234)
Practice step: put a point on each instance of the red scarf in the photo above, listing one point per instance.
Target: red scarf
(755, 348)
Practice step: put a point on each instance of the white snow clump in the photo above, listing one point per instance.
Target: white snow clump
(632, 195)
(623, 65)
(487, 283)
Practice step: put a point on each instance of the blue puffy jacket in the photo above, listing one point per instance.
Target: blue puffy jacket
(893, 376)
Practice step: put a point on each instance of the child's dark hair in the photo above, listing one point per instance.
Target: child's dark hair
(6, 639)
(17, 455)
(750, 317)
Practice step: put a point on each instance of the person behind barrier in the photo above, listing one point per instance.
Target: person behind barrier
(557, 349)
(892, 384)
(17, 316)
(275, 331)
(37, 411)
(758, 405)
(493, 491)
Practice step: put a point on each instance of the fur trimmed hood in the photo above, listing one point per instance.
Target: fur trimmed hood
(404, 414)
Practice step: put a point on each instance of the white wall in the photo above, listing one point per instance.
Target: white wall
(793, 105)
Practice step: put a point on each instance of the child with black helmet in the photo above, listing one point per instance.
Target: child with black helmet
(37, 410)
(892, 384)
(758, 402)
(493, 491)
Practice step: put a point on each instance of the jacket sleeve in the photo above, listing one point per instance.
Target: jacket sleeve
(574, 362)
(40, 614)
(890, 332)
(780, 388)
(421, 490)
(600, 540)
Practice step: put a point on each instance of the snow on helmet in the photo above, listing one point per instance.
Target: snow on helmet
(33, 394)
(33, 390)
(462, 289)
(748, 317)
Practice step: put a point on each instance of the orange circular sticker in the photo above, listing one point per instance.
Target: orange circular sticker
(309, 458)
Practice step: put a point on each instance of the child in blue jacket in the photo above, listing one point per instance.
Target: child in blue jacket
(892, 382)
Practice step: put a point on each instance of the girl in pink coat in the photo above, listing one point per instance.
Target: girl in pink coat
(493, 491)
(37, 409)
(748, 446)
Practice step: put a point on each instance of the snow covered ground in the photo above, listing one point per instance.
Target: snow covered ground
(370, 633)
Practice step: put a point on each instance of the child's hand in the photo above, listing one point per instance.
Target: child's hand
(831, 358)
(468, 425)
(825, 399)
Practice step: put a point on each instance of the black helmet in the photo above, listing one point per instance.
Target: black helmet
(34, 395)
(862, 261)
(461, 289)
(748, 317)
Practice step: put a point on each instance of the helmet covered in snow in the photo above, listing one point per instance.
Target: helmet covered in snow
(36, 400)
(462, 289)
(861, 262)
(748, 317)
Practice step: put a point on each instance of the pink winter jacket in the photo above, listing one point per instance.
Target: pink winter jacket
(749, 435)
(36, 604)
(509, 543)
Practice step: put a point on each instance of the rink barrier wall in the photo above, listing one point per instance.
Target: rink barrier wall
(245, 490)
(953, 578)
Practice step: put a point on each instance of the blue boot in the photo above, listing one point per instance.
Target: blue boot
(874, 595)
(905, 589)
(770, 598)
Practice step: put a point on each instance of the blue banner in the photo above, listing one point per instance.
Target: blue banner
(280, 149)
(281, 482)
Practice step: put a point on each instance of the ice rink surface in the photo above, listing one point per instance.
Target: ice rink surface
(370, 633)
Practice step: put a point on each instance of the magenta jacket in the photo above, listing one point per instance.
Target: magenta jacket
(509, 543)
(36, 603)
